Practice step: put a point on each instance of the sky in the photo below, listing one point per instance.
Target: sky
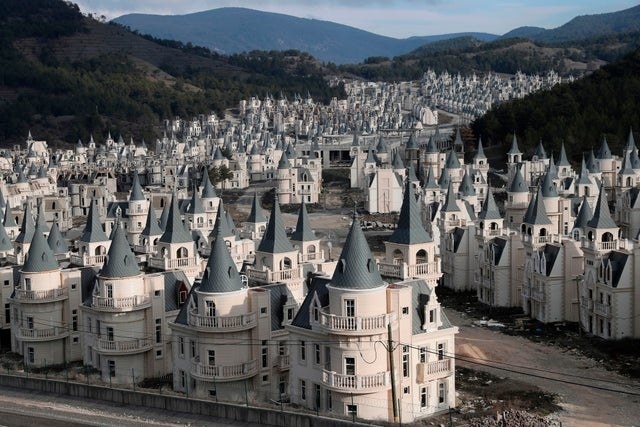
(393, 18)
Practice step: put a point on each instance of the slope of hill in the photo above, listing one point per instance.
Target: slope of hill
(65, 76)
(232, 30)
(606, 103)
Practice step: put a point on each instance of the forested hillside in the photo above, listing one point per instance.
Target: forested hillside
(65, 76)
(606, 103)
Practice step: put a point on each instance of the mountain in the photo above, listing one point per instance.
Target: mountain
(65, 76)
(584, 27)
(232, 30)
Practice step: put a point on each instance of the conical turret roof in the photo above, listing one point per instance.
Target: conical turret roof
(480, 153)
(450, 204)
(356, 268)
(5, 240)
(28, 227)
(220, 274)
(164, 217)
(174, 231)
(303, 232)
(537, 213)
(56, 242)
(584, 214)
(120, 261)
(430, 182)
(452, 161)
(397, 161)
(195, 205)
(256, 215)
(547, 187)
(9, 220)
(562, 159)
(137, 194)
(410, 229)
(514, 146)
(605, 151)
(466, 188)
(275, 239)
(540, 151)
(445, 179)
(93, 231)
(208, 192)
(489, 208)
(40, 256)
(583, 178)
(517, 184)
(151, 227)
(601, 215)
(284, 162)
(221, 225)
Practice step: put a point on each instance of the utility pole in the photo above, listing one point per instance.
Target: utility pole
(393, 374)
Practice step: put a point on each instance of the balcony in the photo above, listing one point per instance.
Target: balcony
(223, 323)
(356, 383)
(136, 302)
(537, 295)
(124, 347)
(268, 276)
(311, 257)
(612, 245)
(354, 325)
(432, 370)
(405, 271)
(283, 362)
(145, 249)
(424, 269)
(541, 240)
(586, 303)
(223, 373)
(47, 334)
(87, 260)
(172, 264)
(17, 259)
(602, 309)
(48, 295)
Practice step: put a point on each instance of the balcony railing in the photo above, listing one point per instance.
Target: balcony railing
(223, 373)
(223, 323)
(41, 296)
(269, 276)
(126, 303)
(86, 260)
(430, 370)
(47, 334)
(283, 362)
(356, 383)
(612, 245)
(172, 264)
(308, 257)
(586, 303)
(128, 347)
(602, 309)
(354, 325)
(541, 240)
(404, 271)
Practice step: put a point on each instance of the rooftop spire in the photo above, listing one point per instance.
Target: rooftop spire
(40, 256)
(536, 213)
(93, 231)
(275, 239)
(28, 227)
(120, 261)
(356, 268)
(450, 204)
(56, 242)
(489, 208)
(303, 231)
(601, 215)
(410, 229)
(151, 227)
(136, 189)
(174, 231)
(256, 215)
(220, 274)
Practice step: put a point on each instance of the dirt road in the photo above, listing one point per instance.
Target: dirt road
(589, 394)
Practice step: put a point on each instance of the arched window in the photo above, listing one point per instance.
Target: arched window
(182, 253)
(100, 250)
(607, 237)
(398, 257)
(421, 256)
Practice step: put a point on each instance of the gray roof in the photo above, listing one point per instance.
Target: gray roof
(40, 256)
(480, 152)
(256, 215)
(592, 165)
(284, 161)
(56, 242)
(550, 254)
(601, 215)
(452, 161)
(626, 168)
(208, 192)
(317, 289)
(431, 146)
(3, 202)
(489, 208)
(514, 146)
(466, 186)
(517, 184)
(562, 160)
(120, 261)
(136, 189)
(27, 228)
(164, 217)
(430, 181)
(93, 231)
(397, 161)
(220, 274)
(605, 151)
(275, 239)
(547, 187)
(221, 225)
(540, 151)
(303, 232)
(175, 232)
(9, 220)
(631, 142)
(195, 204)
(5, 240)
(356, 267)
(151, 227)
(410, 229)
(445, 179)
(584, 214)
(412, 144)
(450, 204)
(584, 173)
(536, 212)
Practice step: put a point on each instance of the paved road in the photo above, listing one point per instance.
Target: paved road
(589, 394)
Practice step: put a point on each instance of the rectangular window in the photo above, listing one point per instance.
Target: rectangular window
(27, 284)
(350, 365)
(442, 393)
(29, 322)
(211, 356)
(263, 311)
(193, 348)
(264, 354)
(109, 290)
(406, 390)
(74, 320)
(89, 325)
(109, 333)
(316, 353)
(112, 368)
(289, 314)
(7, 314)
(6, 283)
(211, 308)
(328, 400)
(303, 351)
(405, 360)
(423, 354)
(352, 410)
(183, 379)
(432, 316)
(181, 346)
(31, 355)
(316, 392)
(349, 308)
(423, 397)
(158, 331)
(156, 293)
(303, 390)
(441, 350)
(74, 286)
